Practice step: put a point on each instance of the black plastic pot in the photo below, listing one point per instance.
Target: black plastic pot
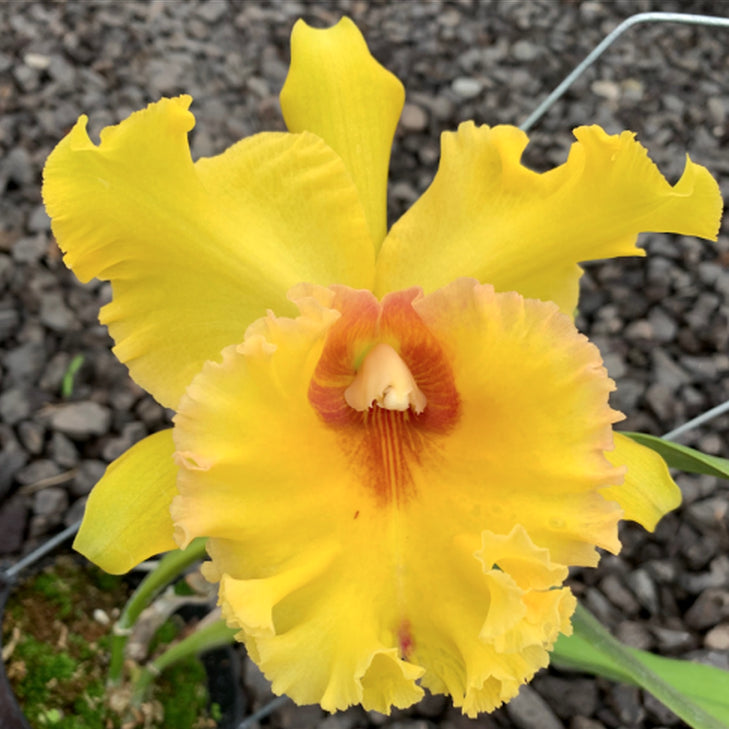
(11, 717)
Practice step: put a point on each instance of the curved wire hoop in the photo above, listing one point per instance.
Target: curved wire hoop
(610, 38)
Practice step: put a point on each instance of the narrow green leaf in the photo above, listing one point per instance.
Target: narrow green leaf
(68, 381)
(209, 634)
(694, 692)
(169, 568)
(682, 457)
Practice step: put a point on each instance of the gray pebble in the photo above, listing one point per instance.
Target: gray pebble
(568, 696)
(661, 570)
(39, 222)
(131, 434)
(710, 513)
(63, 451)
(528, 710)
(413, 118)
(710, 272)
(600, 606)
(32, 436)
(660, 399)
(61, 71)
(716, 576)
(81, 419)
(640, 329)
(710, 607)
(664, 327)
(625, 701)
(211, 11)
(24, 363)
(719, 659)
(75, 512)
(583, 722)
(615, 365)
(348, 719)
(55, 314)
(13, 521)
(12, 458)
(644, 590)
(524, 50)
(9, 320)
(17, 167)
(703, 311)
(466, 88)
(668, 372)
(672, 640)
(703, 369)
(432, 706)
(613, 588)
(6, 269)
(291, 716)
(634, 634)
(36, 471)
(626, 397)
(697, 549)
(14, 405)
(88, 474)
(659, 712)
(717, 638)
(50, 502)
(26, 77)
(31, 249)
(54, 372)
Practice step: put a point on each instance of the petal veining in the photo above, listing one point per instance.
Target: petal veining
(383, 444)
(196, 251)
(338, 91)
(486, 215)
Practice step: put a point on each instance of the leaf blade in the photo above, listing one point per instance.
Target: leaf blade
(694, 692)
(682, 457)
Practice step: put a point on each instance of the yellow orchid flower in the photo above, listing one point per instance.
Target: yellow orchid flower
(396, 465)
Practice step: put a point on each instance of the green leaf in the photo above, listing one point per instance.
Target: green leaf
(682, 457)
(694, 692)
(209, 634)
(67, 383)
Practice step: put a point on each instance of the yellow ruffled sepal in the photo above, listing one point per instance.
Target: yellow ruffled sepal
(488, 216)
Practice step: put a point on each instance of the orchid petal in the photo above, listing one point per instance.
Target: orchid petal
(414, 526)
(338, 91)
(127, 517)
(195, 252)
(486, 215)
(648, 492)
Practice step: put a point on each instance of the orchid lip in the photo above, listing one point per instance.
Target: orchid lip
(385, 380)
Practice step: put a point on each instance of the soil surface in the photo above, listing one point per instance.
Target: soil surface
(661, 322)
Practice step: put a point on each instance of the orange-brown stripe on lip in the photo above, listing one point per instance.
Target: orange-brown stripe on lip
(401, 389)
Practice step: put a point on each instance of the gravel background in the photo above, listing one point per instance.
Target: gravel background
(661, 322)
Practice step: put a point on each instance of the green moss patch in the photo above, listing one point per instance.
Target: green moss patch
(56, 636)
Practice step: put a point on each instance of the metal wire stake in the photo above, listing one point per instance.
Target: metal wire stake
(698, 420)
(41, 551)
(598, 50)
(264, 711)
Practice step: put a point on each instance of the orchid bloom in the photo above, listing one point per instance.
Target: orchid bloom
(396, 465)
